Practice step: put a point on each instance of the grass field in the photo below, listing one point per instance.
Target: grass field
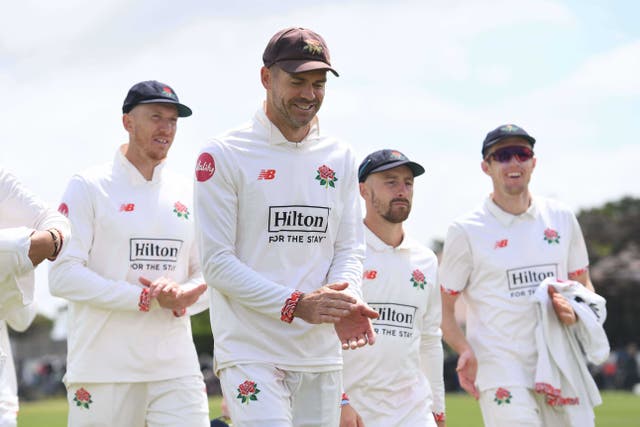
(618, 410)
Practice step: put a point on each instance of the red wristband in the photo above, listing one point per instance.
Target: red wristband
(439, 416)
(286, 315)
(145, 300)
(345, 399)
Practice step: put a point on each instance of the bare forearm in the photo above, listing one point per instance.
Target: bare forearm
(452, 333)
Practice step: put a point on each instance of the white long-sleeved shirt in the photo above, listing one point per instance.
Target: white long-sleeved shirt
(126, 227)
(21, 212)
(399, 380)
(497, 260)
(275, 216)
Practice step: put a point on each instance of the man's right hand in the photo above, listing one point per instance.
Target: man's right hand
(467, 370)
(173, 296)
(350, 418)
(327, 304)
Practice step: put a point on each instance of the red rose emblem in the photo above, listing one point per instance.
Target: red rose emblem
(326, 176)
(326, 172)
(502, 396)
(247, 391)
(418, 279)
(551, 236)
(82, 398)
(181, 210)
(501, 393)
(247, 388)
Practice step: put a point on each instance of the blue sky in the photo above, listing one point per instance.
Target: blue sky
(429, 78)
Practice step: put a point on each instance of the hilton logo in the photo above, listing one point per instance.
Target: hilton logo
(395, 315)
(298, 218)
(154, 249)
(531, 276)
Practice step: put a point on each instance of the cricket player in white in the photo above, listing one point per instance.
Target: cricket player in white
(30, 232)
(496, 256)
(282, 243)
(398, 382)
(129, 276)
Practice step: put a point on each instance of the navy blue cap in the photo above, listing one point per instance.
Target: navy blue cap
(505, 131)
(150, 92)
(382, 160)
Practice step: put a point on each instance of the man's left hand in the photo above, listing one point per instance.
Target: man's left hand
(562, 307)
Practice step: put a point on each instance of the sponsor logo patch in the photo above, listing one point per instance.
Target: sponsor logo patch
(205, 167)
(530, 276)
(266, 174)
(501, 244)
(127, 207)
(63, 209)
(298, 218)
(370, 274)
(154, 249)
(394, 315)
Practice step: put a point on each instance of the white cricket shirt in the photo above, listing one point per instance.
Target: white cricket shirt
(398, 381)
(497, 260)
(21, 212)
(274, 216)
(126, 227)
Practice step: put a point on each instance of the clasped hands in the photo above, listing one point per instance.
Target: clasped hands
(171, 295)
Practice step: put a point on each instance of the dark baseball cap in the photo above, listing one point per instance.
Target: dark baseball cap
(150, 92)
(505, 131)
(297, 50)
(382, 160)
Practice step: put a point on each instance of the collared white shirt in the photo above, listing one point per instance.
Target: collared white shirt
(497, 260)
(398, 380)
(275, 216)
(126, 227)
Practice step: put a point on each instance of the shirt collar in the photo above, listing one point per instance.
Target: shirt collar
(275, 137)
(132, 172)
(378, 245)
(506, 218)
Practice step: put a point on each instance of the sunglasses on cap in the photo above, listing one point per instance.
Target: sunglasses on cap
(505, 154)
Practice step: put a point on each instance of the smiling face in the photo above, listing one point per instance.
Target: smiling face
(151, 128)
(510, 178)
(293, 100)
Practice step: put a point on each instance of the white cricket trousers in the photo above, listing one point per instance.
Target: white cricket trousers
(260, 395)
(519, 406)
(178, 402)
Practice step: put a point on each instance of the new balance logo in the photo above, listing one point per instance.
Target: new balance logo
(127, 207)
(370, 274)
(501, 244)
(267, 174)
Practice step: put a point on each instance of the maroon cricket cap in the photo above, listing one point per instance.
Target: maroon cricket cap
(297, 50)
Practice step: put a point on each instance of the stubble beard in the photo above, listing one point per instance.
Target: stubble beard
(394, 215)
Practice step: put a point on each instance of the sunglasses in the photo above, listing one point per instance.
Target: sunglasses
(505, 154)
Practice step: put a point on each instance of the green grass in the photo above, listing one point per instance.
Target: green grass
(619, 409)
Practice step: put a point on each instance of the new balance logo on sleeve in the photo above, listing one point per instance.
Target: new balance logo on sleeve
(267, 174)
